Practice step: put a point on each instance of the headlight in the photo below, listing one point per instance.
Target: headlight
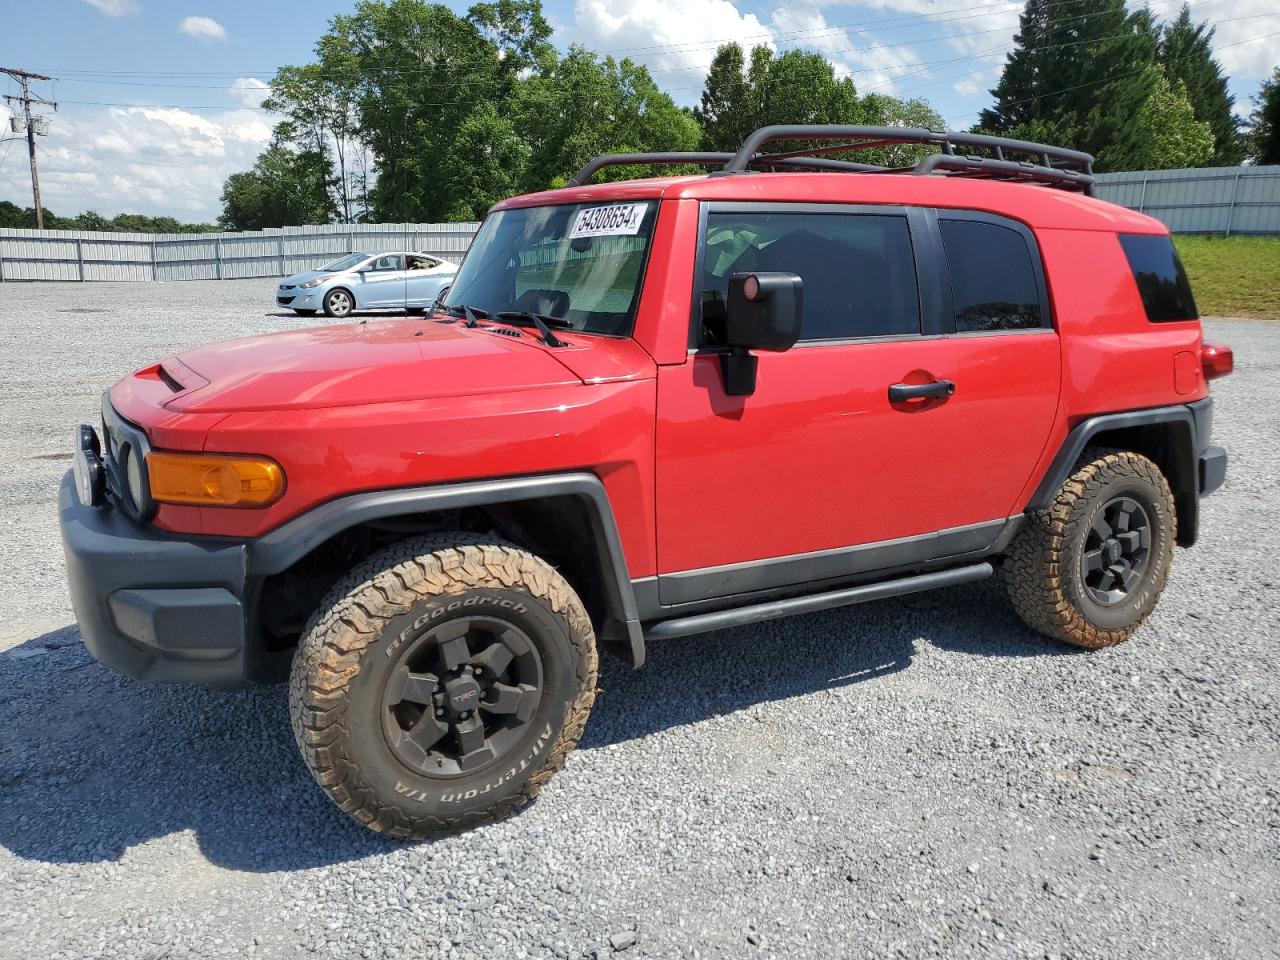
(314, 283)
(133, 477)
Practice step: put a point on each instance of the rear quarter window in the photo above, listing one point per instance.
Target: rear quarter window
(1162, 281)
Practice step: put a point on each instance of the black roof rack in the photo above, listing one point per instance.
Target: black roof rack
(702, 159)
(1032, 162)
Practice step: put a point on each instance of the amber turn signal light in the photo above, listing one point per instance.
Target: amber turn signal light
(214, 480)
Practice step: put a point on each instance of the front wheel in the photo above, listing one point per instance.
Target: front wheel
(338, 303)
(1089, 569)
(442, 683)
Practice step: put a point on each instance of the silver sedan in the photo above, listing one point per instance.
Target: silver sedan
(367, 281)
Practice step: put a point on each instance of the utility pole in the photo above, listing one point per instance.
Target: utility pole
(25, 77)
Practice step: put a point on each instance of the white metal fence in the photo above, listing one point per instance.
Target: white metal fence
(1223, 200)
(76, 255)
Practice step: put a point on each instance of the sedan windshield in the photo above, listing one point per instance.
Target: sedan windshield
(579, 263)
(346, 263)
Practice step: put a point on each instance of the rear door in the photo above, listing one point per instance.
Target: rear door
(1004, 356)
(424, 278)
(382, 282)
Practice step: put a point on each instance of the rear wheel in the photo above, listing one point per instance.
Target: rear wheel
(442, 683)
(1089, 569)
(338, 303)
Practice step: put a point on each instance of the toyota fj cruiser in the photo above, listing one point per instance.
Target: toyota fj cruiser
(643, 410)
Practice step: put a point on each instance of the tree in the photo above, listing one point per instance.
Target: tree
(1163, 132)
(723, 112)
(1187, 57)
(318, 101)
(797, 87)
(584, 106)
(1264, 122)
(283, 188)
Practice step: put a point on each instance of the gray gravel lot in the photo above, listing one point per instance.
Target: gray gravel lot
(919, 777)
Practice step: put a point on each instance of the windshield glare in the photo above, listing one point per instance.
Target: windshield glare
(347, 262)
(580, 263)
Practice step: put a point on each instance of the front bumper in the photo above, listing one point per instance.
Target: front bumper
(154, 606)
(296, 298)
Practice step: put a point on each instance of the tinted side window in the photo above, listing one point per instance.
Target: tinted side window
(993, 278)
(859, 271)
(1162, 282)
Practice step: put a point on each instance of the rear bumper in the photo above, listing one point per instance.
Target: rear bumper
(1213, 469)
(156, 607)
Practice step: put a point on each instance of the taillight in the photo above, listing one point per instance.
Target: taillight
(1216, 360)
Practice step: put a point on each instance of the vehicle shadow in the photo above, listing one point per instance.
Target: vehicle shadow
(92, 764)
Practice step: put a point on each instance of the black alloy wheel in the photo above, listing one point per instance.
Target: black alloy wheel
(461, 696)
(1116, 552)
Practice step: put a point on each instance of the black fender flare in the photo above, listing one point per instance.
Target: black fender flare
(1194, 419)
(291, 541)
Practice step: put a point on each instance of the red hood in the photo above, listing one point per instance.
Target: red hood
(360, 363)
(379, 362)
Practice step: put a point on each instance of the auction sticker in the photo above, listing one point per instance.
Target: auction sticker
(617, 220)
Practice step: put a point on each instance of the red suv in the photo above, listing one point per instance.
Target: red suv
(643, 410)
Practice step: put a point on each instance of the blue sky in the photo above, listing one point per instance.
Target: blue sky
(159, 99)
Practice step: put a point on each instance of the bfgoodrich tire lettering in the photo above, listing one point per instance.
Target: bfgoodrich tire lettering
(347, 688)
(1053, 557)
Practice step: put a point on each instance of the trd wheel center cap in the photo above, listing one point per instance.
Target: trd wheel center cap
(462, 694)
(1112, 551)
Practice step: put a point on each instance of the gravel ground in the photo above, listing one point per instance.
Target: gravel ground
(918, 777)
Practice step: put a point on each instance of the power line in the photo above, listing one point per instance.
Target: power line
(70, 74)
(1114, 76)
(913, 70)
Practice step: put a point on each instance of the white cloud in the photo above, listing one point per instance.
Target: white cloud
(874, 66)
(663, 34)
(204, 28)
(154, 160)
(115, 8)
(249, 91)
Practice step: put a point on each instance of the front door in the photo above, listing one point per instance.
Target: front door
(824, 473)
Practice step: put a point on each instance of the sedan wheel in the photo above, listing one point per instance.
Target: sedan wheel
(338, 303)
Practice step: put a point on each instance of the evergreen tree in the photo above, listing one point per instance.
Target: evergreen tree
(1063, 53)
(1264, 122)
(1187, 57)
(1162, 133)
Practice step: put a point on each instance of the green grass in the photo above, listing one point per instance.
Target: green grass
(1233, 276)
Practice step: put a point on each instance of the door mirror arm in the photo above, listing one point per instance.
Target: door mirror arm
(762, 312)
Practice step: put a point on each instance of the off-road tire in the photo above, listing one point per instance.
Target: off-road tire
(339, 303)
(1044, 572)
(356, 641)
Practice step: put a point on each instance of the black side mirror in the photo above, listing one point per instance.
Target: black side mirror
(762, 312)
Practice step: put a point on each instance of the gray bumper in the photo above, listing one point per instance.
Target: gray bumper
(156, 607)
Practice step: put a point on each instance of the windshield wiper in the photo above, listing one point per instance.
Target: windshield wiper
(544, 323)
(471, 314)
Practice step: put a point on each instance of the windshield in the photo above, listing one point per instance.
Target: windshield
(347, 262)
(580, 263)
